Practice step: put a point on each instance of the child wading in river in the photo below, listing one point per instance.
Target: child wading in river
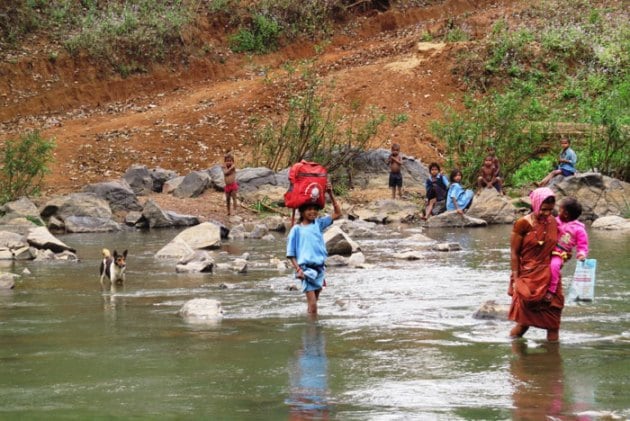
(231, 186)
(306, 248)
(571, 234)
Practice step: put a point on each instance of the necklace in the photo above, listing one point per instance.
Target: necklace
(541, 240)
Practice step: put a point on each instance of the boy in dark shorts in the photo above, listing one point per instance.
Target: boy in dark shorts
(395, 166)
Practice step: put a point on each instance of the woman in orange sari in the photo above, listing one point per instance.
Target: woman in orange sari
(533, 238)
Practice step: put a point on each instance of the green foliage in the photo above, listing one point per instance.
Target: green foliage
(313, 129)
(24, 164)
(505, 120)
(399, 119)
(261, 37)
(534, 170)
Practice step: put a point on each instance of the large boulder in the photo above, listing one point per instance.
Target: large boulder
(612, 223)
(199, 261)
(598, 194)
(338, 242)
(7, 281)
(492, 207)
(119, 195)
(193, 184)
(454, 219)
(199, 237)
(366, 165)
(161, 176)
(139, 179)
(90, 224)
(77, 205)
(170, 185)
(18, 209)
(385, 211)
(216, 176)
(155, 216)
(41, 238)
(252, 178)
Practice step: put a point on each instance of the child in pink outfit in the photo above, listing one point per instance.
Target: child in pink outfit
(571, 234)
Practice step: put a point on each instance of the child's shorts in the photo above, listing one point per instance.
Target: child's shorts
(395, 179)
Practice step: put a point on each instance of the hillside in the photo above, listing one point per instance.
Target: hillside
(186, 112)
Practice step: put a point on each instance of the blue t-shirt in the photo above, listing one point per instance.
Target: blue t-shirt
(569, 155)
(461, 195)
(306, 242)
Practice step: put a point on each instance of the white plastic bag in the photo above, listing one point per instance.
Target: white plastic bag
(582, 286)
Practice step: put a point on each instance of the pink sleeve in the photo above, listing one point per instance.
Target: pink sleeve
(581, 239)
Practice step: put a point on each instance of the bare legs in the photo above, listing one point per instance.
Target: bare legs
(548, 178)
(429, 208)
(553, 335)
(311, 301)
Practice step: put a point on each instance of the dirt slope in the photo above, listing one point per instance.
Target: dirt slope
(186, 118)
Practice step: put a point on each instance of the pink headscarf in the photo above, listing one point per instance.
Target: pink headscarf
(538, 196)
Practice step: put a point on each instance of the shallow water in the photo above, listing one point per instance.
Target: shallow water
(397, 341)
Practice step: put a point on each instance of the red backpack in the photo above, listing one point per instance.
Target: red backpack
(308, 185)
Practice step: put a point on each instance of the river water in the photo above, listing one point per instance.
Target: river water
(394, 342)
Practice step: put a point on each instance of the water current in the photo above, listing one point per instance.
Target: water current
(396, 341)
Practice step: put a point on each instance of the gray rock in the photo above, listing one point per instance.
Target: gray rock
(119, 195)
(338, 242)
(41, 238)
(180, 220)
(193, 185)
(216, 176)
(202, 310)
(599, 195)
(453, 219)
(612, 223)
(21, 208)
(11, 240)
(159, 176)
(176, 249)
(7, 281)
(490, 310)
(172, 184)
(90, 224)
(155, 216)
(259, 231)
(200, 261)
(139, 179)
(492, 207)
(76, 205)
(251, 178)
(135, 218)
(446, 247)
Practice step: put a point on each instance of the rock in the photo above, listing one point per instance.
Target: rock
(337, 260)
(216, 177)
(90, 224)
(202, 310)
(139, 179)
(21, 208)
(252, 178)
(159, 176)
(269, 237)
(193, 185)
(136, 219)
(22, 253)
(11, 240)
(408, 255)
(119, 195)
(356, 259)
(202, 236)
(170, 185)
(386, 211)
(367, 164)
(176, 249)
(7, 281)
(490, 310)
(155, 216)
(225, 231)
(453, 219)
(599, 195)
(446, 247)
(239, 266)
(275, 223)
(612, 223)
(492, 207)
(199, 261)
(259, 231)
(77, 205)
(41, 238)
(179, 220)
(338, 242)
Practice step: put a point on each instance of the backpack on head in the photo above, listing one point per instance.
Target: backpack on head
(307, 185)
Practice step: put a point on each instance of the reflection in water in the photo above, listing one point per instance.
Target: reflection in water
(309, 377)
(539, 381)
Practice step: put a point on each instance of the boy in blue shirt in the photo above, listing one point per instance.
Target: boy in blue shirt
(306, 249)
(566, 163)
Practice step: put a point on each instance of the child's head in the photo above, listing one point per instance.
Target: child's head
(395, 148)
(434, 168)
(309, 212)
(570, 209)
(456, 174)
(228, 158)
(565, 142)
(488, 161)
(490, 150)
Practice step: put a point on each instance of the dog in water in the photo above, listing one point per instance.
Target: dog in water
(113, 267)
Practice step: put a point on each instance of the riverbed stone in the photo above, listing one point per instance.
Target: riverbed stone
(170, 185)
(612, 223)
(176, 249)
(599, 195)
(119, 194)
(180, 220)
(217, 177)
(446, 247)
(193, 185)
(338, 242)
(492, 207)
(199, 261)
(202, 310)
(76, 224)
(155, 216)
(7, 281)
(77, 205)
(491, 310)
(159, 176)
(454, 219)
(21, 208)
(139, 179)
(41, 238)
(252, 178)
(12, 240)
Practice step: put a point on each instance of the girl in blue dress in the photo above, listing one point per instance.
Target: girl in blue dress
(457, 198)
(306, 249)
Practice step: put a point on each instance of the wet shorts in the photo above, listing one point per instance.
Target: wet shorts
(395, 179)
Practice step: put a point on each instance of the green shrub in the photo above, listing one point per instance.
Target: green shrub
(24, 164)
(532, 171)
(261, 37)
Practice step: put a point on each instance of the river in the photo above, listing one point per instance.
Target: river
(393, 342)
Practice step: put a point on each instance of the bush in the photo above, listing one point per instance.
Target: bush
(261, 37)
(24, 164)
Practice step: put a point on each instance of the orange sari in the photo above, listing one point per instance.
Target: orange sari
(528, 307)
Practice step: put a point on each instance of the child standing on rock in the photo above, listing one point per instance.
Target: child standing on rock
(395, 166)
(306, 249)
(231, 186)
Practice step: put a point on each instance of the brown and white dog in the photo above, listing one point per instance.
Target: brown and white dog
(113, 267)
